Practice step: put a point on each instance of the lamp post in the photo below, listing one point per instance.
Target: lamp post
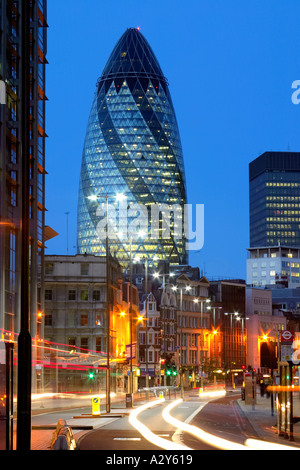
(243, 319)
(235, 314)
(181, 325)
(146, 317)
(141, 234)
(131, 320)
(95, 198)
(107, 315)
(202, 302)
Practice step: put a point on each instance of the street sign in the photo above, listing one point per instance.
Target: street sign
(96, 406)
(286, 352)
(286, 336)
(128, 351)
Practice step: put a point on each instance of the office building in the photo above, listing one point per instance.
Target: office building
(12, 160)
(273, 267)
(274, 184)
(230, 296)
(76, 320)
(132, 147)
(264, 324)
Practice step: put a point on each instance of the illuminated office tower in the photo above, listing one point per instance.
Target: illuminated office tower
(274, 253)
(274, 180)
(132, 147)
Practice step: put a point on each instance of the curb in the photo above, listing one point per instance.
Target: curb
(256, 430)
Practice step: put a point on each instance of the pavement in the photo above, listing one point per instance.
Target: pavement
(263, 420)
(260, 416)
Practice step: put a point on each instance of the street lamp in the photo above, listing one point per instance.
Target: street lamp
(234, 314)
(94, 198)
(181, 374)
(214, 330)
(202, 303)
(243, 342)
(146, 259)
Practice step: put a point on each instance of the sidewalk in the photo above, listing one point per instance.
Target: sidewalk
(264, 421)
(41, 436)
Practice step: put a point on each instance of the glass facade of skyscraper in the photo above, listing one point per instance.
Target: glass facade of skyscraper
(132, 147)
(275, 200)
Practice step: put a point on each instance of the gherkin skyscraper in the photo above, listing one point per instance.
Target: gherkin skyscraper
(132, 147)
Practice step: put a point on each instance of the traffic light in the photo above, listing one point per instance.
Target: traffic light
(168, 372)
(174, 370)
(91, 375)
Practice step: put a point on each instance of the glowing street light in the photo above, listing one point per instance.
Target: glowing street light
(188, 288)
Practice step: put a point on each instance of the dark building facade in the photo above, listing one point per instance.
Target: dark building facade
(230, 297)
(133, 147)
(274, 183)
(11, 163)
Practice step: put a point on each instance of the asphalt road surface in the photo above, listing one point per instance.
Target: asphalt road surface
(122, 436)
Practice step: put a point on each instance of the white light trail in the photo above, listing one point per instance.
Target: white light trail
(264, 445)
(147, 434)
(250, 444)
(210, 439)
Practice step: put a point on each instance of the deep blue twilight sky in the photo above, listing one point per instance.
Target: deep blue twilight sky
(230, 67)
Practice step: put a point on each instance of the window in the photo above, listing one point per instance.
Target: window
(84, 320)
(142, 338)
(99, 344)
(72, 341)
(96, 295)
(71, 319)
(84, 295)
(48, 320)
(84, 269)
(48, 294)
(84, 343)
(49, 268)
(99, 319)
(72, 294)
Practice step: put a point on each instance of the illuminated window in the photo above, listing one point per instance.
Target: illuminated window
(84, 294)
(84, 320)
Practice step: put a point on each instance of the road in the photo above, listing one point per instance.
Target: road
(219, 418)
(121, 435)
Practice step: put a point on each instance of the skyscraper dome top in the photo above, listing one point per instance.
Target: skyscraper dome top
(132, 57)
(132, 148)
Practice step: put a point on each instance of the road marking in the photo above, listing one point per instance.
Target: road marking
(127, 438)
(178, 435)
